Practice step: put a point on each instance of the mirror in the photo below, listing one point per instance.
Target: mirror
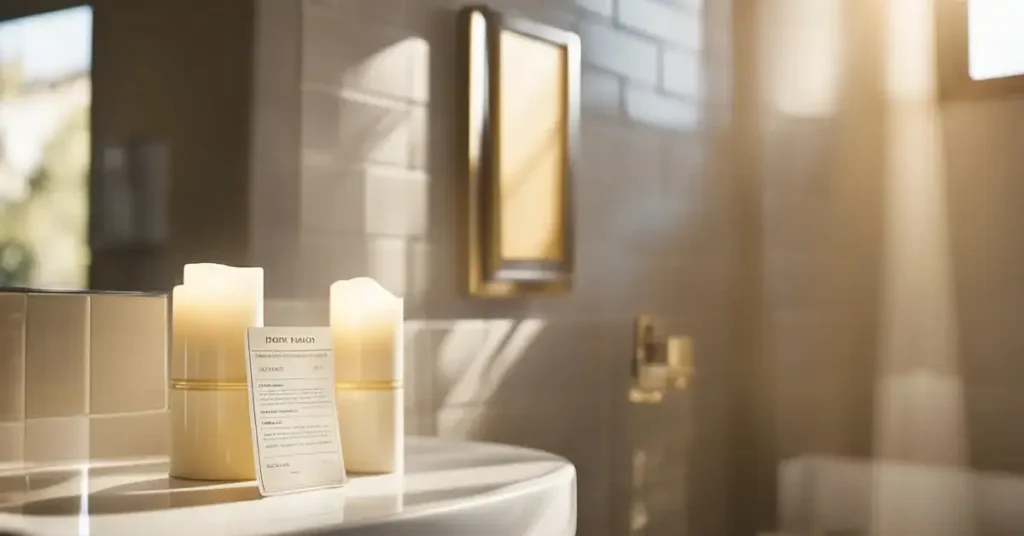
(523, 116)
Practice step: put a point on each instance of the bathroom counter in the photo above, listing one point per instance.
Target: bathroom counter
(449, 488)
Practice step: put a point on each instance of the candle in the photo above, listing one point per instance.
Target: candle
(210, 432)
(366, 329)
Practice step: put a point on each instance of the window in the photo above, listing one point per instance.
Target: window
(995, 38)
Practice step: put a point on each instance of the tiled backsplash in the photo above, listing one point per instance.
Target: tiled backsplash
(84, 377)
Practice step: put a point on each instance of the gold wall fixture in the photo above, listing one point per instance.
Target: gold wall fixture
(523, 121)
(659, 364)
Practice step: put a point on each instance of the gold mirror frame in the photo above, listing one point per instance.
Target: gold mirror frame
(510, 255)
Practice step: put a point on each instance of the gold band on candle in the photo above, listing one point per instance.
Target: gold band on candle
(217, 385)
(208, 385)
(369, 385)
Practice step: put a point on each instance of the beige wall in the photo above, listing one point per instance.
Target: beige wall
(985, 184)
(821, 135)
(369, 186)
(891, 257)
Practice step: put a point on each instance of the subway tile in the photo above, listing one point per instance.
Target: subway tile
(420, 423)
(378, 13)
(327, 257)
(558, 13)
(525, 362)
(479, 373)
(825, 412)
(298, 312)
(693, 6)
(12, 450)
(419, 51)
(321, 121)
(619, 51)
(319, 8)
(128, 354)
(129, 435)
(57, 356)
(395, 202)
(662, 111)
(662, 21)
(374, 130)
(340, 47)
(456, 347)
(278, 251)
(419, 367)
(421, 264)
(600, 92)
(655, 225)
(387, 259)
(275, 116)
(332, 199)
(419, 137)
(663, 286)
(598, 7)
(616, 157)
(398, 264)
(12, 356)
(395, 69)
(356, 128)
(687, 159)
(324, 62)
(988, 407)
(56, 441)
(682, 73)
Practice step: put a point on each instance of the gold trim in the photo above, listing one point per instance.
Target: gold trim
(207, 385)
(369, 385)
(217, 385)
(490, 273)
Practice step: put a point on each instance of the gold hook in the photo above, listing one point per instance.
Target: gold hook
(658, 364)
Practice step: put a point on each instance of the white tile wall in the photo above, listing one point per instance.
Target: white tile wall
(662, 21)
(620, 52)
(662, 111)
(601, 91)
(378, 188)
(598, 7)
(682, 73)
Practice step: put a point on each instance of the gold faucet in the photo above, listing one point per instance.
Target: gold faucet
(659, 363)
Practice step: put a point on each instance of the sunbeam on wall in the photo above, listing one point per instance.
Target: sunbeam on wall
(365, 177)
(477, 378)
(919, 400)
(804, 55)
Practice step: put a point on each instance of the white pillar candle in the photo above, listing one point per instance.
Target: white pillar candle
(209, 405)
(366, 327)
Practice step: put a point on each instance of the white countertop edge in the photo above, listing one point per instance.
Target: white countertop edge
(562, 474)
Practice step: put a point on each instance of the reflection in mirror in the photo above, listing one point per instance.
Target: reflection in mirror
(533, 148)
(45, 96)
